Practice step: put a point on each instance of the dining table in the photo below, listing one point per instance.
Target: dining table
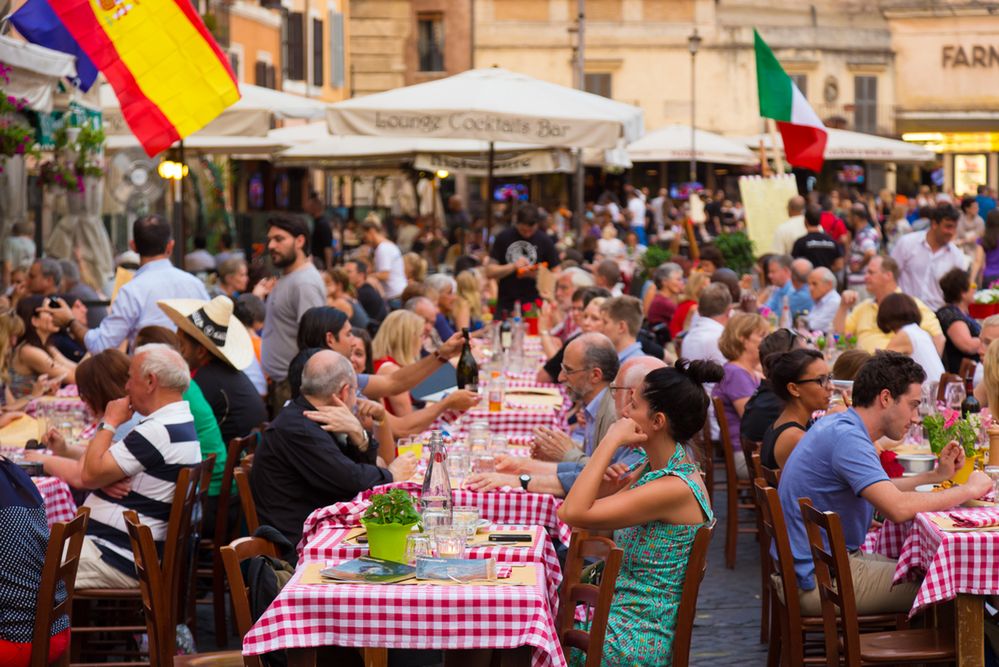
(58, 497)
(950, 563)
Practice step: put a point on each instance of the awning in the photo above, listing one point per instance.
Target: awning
(36, 71)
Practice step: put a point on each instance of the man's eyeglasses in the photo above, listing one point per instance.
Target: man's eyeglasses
(616, 388)
(570, 371)
(822, 381)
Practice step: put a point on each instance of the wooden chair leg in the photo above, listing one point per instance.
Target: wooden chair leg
(731, 522)
(765, 596)
(218, 600)
(774, 647)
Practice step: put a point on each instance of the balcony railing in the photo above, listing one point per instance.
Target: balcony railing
(870, 119)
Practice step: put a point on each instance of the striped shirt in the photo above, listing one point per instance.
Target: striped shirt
(152, 454)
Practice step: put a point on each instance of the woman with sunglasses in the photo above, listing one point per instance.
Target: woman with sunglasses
(802, 381)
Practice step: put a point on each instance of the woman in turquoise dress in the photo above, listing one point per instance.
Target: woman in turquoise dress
(655, 512)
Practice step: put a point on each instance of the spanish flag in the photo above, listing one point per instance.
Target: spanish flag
(168, 72)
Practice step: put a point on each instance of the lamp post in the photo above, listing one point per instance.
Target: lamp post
(693, 43)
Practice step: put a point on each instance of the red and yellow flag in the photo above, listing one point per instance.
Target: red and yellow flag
(168, 72)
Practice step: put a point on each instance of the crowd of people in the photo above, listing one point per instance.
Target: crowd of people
(325, 335)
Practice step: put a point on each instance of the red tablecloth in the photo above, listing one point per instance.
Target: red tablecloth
(511, 422)
(949, 563)
(414, 617)
(327, 545)
(59, 503)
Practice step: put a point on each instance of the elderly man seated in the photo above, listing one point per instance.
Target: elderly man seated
(151, 455)
(302, 462)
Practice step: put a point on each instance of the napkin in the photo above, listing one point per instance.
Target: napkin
(970, 521)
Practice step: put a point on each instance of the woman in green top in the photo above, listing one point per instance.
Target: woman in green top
(655, 511)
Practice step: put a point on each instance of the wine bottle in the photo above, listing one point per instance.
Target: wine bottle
(970, 404)
(467, 371)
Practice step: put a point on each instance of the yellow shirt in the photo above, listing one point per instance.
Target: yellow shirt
(863, 323)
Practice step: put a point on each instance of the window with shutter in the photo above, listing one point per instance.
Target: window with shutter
(598, 83)
(260, 74)
(317, 52)
(336, 49)
(296, 47)
(865, 104)
(430, 42)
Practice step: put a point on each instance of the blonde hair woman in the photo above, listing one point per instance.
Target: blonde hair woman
(397, 344)
(740, 343)
(468, 302)
(415, 267)
(990, 380)
(12, 328)
(696, 283)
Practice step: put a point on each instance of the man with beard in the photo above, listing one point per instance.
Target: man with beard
(298, 289)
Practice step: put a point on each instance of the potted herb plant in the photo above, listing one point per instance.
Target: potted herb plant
(388, 520)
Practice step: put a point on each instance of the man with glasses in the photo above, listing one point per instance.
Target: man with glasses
(519, 252)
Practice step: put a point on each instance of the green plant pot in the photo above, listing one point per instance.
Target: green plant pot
(388, 540)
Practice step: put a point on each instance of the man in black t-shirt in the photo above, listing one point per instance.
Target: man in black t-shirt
(816, 246)
(519, 251)
(322, 231)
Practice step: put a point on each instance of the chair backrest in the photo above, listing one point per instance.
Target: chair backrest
(834, 581)
(751, 450)
(178, 546)
(232, 556)
(697, 563)
(224, 533)
(155, 594)
(775, 533)
(62, 557)
(723, 434)
(582, 546)
(945, 380)
(771, 475)
(967, 368)
(242, 477)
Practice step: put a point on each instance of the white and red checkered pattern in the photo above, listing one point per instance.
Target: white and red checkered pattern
(59, 503)
(328, 545)
(950, 563)
(514, 508)
(510, 422)
(412, 617)
(890, 539)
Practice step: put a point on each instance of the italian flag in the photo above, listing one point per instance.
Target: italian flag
(803, 133)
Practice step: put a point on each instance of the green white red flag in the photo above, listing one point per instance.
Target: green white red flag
(803, 133)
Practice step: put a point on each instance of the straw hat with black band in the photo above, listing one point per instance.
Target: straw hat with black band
(212, 324)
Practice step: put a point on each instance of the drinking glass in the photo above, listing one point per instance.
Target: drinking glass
(418, 545)
(457, 464)
(479, 443)
(954, 395)
(500, 444)
(466, 518)
(449, 543)
(479, 429)
(993, 473)
(436, 518)
(483, 462)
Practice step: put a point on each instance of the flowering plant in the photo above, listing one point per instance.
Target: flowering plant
(16, 138)
(948, 425)
(532, 309)
(70, 174)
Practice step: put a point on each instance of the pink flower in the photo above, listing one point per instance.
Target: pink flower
(951, 416)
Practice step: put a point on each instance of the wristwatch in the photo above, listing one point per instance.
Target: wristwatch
(524, 481)
(106, 427)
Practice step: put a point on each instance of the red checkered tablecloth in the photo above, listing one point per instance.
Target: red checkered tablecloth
(328, 545)
(889, 540)
(514, 508)
(950, 563)
(410, 616)
(511, 422)
(59, 503)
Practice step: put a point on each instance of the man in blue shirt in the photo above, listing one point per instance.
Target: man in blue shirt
(622, 321)
(780, 271)
(985, 201)
(837, 466)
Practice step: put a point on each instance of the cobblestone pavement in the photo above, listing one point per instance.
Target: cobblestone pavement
(727, 627)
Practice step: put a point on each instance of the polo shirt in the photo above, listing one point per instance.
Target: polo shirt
(862, 322)
(922, 268)
(633, 350)
(152, 454)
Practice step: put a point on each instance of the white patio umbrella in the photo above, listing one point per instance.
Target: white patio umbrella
(672, 143)
(203, 143)
(846, 145)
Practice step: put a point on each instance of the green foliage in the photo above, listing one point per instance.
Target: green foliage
(16, 138)
(63, 173)
(655, 257)
(737, 250)
(394, 506)
(942, 428)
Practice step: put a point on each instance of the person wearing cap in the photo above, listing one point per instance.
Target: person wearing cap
(217, 347)
(135, 305)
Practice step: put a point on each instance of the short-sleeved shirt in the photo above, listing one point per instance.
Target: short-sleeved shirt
(209, 436)
(832, 464)
(862, 322)
(152, 454)
(761, 411)
(388, 258)
(818, 248)
(833, 225)
(952, 355)
(322, 236)
(372, 302)
(293, 294)
(736, 384)
(234, 400)
(510, 246)
(661, 309)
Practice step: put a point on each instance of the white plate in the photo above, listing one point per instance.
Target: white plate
(925, 488)
(482, 524)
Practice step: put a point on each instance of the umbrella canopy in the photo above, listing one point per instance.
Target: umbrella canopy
(203, 143)
(672, 143)
(251, 116)
(491, 105)
(36, 71)
(846, 145)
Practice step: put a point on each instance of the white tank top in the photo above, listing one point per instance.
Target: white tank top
(924, 352)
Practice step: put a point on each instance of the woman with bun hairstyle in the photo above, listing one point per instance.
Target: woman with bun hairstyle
(801, 379)
(654, 511)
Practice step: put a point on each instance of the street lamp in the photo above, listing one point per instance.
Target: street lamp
(693, 43)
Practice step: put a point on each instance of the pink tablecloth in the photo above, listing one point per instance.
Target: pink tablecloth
(327, 545)
(949, 563)
(59, 503)
(413, 617)
(511, 422)
(515, 508)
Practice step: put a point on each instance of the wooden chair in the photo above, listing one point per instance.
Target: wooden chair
(581, 547)
(189, 580)
(707, 458)
(751, 449)
(789, 628)
(946, 379)
(62, 557)
(771, 475)
(839, 607)
(176, 553)
(157, 605)
(242, 477)
(967, 368)
(233, 556)
(697, 564)
(734, 488)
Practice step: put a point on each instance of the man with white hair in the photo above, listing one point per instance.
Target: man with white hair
(561, 322)
(447, 291)
(426, 308)
(825, 299)
(151, 455)
(304, 460)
